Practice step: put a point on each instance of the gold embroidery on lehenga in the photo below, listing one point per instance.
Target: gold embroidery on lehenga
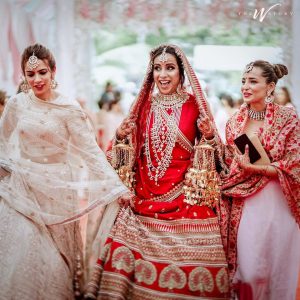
(145, 272)
(169, 196)
(222, 281)
(105, 255)
(172, 277)
(123, 259)
(201, 279)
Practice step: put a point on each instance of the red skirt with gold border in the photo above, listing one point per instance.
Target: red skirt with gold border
(147, 258)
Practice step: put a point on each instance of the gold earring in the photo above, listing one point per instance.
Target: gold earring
(269, 99)
(24, 87)
(53, 84)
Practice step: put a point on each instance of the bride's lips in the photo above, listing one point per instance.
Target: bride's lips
(164, 83)
(246, 95)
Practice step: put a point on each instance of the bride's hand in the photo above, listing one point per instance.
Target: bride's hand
(206, 128)
(125, 128)
(126, 200)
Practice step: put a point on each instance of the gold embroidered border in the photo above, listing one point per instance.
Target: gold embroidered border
(168, 197)
(116, 286)
(181, 138)
(202, 245)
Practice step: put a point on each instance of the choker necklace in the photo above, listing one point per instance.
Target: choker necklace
(169, 101)
(256, 115)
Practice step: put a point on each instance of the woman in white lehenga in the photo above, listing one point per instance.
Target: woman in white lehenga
(45, 143)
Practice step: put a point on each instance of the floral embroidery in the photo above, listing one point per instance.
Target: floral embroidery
(172, 277)
(280, 137)
(200, 279)
(145, 271)
(222, 281)
(123, 259)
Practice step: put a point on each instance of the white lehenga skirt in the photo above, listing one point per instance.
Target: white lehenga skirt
(31, 267)
(268, 245)
(35, 262)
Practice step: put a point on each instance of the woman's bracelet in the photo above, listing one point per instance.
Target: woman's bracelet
(211, 142)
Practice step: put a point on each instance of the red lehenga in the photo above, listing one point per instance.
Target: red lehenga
(163, 248)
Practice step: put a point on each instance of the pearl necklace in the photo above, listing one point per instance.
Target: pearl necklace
(163, 133)
(256, 115)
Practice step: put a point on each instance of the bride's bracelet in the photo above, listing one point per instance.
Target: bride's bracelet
(120, 141)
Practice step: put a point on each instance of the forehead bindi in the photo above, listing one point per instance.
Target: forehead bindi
(170, 59)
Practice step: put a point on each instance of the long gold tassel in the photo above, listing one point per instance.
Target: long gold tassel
(202, 183)
(123, 162)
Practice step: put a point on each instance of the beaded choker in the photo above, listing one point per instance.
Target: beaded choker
(256, 115)
(170, 101)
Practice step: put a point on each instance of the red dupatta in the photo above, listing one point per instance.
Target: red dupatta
(141, 105)
(280, 137)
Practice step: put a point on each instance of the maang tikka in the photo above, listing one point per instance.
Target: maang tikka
(249, 67)
(163, 56)
(32, 62)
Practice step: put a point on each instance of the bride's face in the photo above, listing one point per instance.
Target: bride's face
(166, 74)
(39, 79)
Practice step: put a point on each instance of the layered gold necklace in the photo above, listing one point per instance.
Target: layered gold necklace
(165, 114)
(256, 115)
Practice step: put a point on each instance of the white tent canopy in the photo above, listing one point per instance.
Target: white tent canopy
(232, 58)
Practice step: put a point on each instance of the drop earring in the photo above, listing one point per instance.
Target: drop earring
(269, 99)
(24, 86)
(53, 84)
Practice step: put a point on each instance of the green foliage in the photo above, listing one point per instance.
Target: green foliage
(249, 35)
(107, 40)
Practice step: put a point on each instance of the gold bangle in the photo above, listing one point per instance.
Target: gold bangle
(122, 141)
(264, 170)
(211, 142)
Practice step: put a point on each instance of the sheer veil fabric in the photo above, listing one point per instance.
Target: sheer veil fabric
(51, 151)
(58, 174)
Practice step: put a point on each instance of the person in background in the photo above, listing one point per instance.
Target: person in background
(238, 103)
(107, 96)
(46, 141)
(226, 110)
(2, 101)
(264, 235)
(282, 97)
(113, 119)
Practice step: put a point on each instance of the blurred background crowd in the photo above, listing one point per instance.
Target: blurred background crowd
(102, 48)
